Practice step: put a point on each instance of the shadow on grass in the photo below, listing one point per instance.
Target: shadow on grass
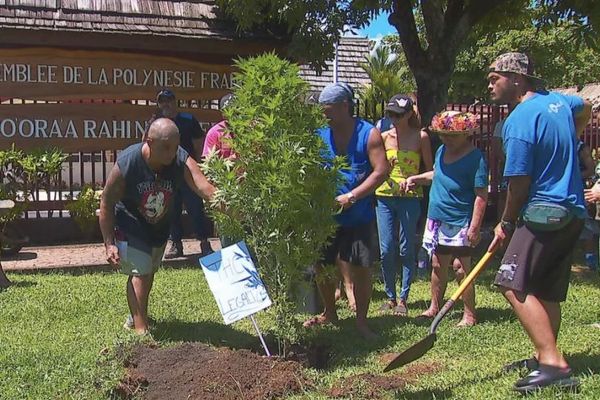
(208, 332)
(583, 363)
(21, 284)
(425, 394)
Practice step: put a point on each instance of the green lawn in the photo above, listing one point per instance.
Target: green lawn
(59, 336)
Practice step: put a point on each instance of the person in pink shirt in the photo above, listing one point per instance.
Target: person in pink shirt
(216, 134)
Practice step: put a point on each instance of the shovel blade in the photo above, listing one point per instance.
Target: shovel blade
(413, 353)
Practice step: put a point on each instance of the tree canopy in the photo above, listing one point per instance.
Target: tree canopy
(432, 33)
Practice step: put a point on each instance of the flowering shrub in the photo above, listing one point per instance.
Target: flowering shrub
(455, 121)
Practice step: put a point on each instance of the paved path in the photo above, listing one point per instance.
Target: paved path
(31, 259)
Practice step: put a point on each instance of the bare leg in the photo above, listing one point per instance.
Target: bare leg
(439, 280)
(462, 266)
(540, 319)
(346, 271)
(138, 291)
(4, 281)
(363, 289)
(326, 285)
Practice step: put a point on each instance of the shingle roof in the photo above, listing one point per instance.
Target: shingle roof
(351, 52)
(196, 18)
(590, 92)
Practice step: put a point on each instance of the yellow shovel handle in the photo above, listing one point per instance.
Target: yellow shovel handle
(472, 275)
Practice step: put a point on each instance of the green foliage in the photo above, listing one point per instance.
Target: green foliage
(62, 333)
(389, 76)
(278, 195)
(83, 208)
(24, 173)
(560, 65)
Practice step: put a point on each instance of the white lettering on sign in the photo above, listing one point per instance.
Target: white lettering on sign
(65, 129)
(99, 76)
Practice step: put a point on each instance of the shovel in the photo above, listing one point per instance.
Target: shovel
(419, 349)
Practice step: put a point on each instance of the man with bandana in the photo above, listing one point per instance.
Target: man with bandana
(354, 247)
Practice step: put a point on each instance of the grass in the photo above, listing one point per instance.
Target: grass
(60, 337)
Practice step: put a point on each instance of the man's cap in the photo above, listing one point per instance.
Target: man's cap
(399, 104)
(225, 101)
(516, 63)
(165, 93)
(338, 92)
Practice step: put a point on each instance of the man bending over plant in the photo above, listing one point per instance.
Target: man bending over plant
(354, 247)
(136, 208)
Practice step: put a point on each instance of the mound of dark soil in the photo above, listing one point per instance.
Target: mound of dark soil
(196, 371)
(373, 386)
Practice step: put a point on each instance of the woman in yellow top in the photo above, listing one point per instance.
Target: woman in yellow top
(398, 210)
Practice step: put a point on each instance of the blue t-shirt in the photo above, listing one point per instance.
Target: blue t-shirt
(357, 158)
(540, 141)
(146, 207)
(452, 194)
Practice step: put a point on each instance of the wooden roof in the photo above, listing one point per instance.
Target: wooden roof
(351, 52)
(590, 92)
(133, 20)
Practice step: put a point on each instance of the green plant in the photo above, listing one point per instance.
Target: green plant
(83, 208)
(279, 194)
(25, 173)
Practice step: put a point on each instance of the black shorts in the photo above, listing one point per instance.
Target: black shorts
(357, 245)
(454, 251)
(539, 263)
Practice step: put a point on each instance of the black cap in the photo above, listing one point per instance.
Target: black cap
(399, 104)
(165, 93)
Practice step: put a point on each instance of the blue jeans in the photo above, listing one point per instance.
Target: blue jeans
(397, 215)
(194, 206)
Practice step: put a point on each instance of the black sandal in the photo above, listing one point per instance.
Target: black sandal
(547, 375)
(528, 364)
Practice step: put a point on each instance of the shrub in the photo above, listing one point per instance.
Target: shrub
(278, 194)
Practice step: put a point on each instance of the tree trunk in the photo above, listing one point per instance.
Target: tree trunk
(432, 92)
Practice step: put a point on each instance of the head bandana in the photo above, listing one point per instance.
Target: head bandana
(336, 93)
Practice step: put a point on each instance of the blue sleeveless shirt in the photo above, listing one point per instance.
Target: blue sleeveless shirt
(359, 168)
(145, 209)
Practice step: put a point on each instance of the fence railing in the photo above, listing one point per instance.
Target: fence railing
(93, 167)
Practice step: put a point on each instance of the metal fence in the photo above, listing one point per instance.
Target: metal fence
(93, 167)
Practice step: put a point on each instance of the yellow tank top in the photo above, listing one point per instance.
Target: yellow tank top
(404, 163)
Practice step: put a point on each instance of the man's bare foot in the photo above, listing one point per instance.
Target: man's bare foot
(466, 322)
(429, 313)
(352, 306)
(366, 332)
(319, 320)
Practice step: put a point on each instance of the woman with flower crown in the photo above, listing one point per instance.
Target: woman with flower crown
(457, 203)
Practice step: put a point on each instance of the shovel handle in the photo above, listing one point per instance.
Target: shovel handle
(466, 282)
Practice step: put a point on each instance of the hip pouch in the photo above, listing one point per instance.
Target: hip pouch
(546, 217)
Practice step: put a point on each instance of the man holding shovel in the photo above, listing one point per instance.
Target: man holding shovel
(544, 211)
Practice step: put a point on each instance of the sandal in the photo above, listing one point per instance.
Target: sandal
(317, 320)
(401, 310)
(547, 375)
(388, 306)
(528, 364)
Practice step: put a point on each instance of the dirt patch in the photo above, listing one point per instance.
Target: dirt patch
(372, 386)
(197, 371)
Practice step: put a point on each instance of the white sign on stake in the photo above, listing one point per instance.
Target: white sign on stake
(234, 282)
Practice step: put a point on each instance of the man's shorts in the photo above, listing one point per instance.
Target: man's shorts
(137, 257)
(357, 245)
(539, 263)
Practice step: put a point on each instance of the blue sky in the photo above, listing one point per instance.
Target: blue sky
(379, 27)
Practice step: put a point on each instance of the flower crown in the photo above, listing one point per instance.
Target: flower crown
(455, 122)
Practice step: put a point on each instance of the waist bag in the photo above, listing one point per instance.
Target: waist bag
(543, 216)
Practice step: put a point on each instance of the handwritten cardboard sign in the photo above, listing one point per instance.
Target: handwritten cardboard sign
(234, 282)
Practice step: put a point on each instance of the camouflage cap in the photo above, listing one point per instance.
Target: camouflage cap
(516, 63)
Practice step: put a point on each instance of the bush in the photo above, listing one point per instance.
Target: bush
(83, 208)
(279, 195)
